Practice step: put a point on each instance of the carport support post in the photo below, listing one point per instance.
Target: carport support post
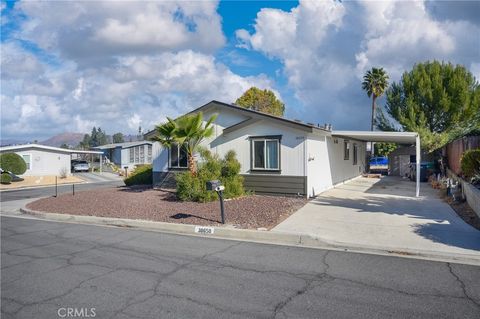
(101, 162)
(417, 175)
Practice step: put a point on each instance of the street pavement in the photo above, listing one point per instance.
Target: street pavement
(50, 268)
(37, 192)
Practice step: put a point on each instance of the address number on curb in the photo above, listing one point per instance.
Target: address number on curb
(204, 230)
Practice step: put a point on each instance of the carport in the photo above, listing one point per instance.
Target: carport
(92, 153)
(387, 137)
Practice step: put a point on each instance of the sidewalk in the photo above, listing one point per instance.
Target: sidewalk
(40, 181)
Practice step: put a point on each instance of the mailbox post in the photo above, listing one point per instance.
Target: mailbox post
(216, 186)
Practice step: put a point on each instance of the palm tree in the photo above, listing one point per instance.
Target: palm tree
(375, 82)
(188, 132)
(165, 133)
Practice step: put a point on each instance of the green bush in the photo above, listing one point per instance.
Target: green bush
(5, 178)
(13, 163)
(470, 163)
(142, 175)
(211, 167)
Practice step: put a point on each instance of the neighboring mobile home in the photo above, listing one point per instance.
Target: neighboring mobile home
(276, 155)
(128, 154)
(44, 160)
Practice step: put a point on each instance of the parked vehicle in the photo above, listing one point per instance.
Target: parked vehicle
(80, 166)
(379, 165)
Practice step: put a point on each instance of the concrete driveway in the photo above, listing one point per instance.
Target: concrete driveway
(383, 214)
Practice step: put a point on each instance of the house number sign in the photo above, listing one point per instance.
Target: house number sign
(204, 230)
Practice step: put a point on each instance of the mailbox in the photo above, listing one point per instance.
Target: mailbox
(213, 185)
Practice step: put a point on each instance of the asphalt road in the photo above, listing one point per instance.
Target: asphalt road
(26, 193)
(48, 268)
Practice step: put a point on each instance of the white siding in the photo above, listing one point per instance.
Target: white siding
(341, 169)
(318, 165)
(45, 162)
(160, 158)
(291, 150)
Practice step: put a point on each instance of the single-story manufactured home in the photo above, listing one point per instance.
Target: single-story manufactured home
(44, 160)
(278, 155)
(128, 154)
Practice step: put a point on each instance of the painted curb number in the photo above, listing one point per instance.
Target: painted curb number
(204, 230)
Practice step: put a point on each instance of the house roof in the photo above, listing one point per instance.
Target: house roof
(253, 115)
(122, 145)
(377, 136)
(46, 148)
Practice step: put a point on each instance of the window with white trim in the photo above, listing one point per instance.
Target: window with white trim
(346, 150)
(266, 154)
(178, 157)
(149, 153)
(28, 160)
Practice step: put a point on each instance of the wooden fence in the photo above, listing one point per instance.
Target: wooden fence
(454, 150)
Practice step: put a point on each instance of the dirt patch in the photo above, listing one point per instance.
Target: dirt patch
(249, 212)
(465, 212)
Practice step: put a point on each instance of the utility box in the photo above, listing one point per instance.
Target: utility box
(213, 185)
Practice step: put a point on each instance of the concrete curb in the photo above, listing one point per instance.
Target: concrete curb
(265, 237)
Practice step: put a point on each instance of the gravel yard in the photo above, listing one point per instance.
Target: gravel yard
(250, 212)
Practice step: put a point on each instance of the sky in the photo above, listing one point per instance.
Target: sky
(67, 66)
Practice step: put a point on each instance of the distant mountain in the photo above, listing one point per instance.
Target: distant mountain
(11, 141)
(71, 139)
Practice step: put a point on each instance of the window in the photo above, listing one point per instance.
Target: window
(266, 153)
(149, 153)
(27, 158)
(346, 150)
(142, 153)
(132, 156)
(178, 157)
(355, 151)
(136, 154)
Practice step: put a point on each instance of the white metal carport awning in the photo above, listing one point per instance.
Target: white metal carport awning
(387, 137)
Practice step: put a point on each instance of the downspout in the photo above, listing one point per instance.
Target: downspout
(305, 163)
(417, 146)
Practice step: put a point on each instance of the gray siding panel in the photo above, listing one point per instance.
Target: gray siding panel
(276, 184)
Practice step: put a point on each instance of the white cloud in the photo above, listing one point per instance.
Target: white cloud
(326, 46)
(113, 64)
(91, 32)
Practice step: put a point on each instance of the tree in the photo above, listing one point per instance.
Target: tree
(85, 143)
(97, 137)
(438, 100)
(188, 132)
(375, 82)
(261, 100)
(65, 146)
(118, 138)
(383, 149)
(12, 163)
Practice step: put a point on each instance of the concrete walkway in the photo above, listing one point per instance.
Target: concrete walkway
(383, 214)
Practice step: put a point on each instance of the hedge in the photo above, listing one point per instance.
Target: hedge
(5, 178)
(470, 163)
(142, 175)
(13, 163)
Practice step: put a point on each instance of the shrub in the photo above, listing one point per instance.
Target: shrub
(470, 163)
(63, 172)
(13, 163)
(5, 178)
(211, 167)
(142, 175)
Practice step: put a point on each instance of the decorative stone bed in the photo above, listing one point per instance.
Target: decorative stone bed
(248, 212)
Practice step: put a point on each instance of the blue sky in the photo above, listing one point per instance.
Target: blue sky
(67, 66)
